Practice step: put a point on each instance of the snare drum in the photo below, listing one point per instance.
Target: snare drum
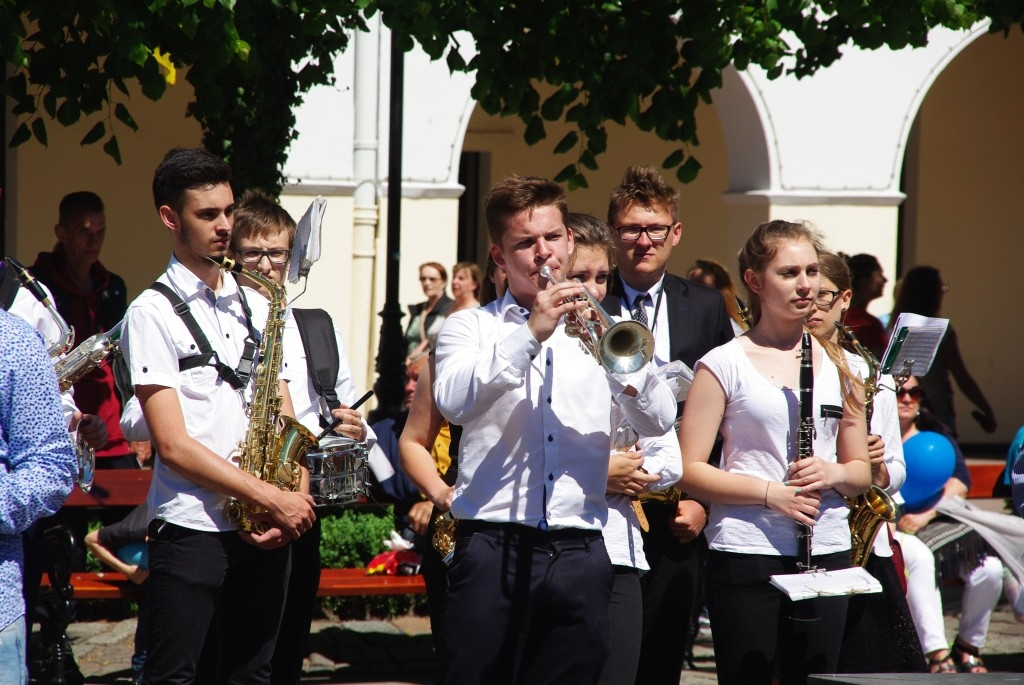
(337, 471)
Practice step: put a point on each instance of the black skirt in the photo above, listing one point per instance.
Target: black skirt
(880, 635)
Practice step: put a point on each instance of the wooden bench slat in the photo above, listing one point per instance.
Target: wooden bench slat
(334, 582)
(113, 488)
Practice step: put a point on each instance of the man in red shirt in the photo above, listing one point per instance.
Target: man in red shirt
(92, 300)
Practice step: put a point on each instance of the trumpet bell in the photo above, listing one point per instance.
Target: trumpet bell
(626, 347)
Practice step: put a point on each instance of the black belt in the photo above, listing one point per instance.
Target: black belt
(470, 526)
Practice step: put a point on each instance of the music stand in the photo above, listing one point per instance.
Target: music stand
(913, 346)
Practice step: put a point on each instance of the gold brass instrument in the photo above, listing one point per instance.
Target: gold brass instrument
(621, 347)
(443, 539)
(274, 445)
(868, 511)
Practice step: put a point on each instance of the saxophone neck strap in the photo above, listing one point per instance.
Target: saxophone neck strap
(236, 378)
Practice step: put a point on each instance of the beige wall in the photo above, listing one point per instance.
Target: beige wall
(964, 216)
(137, 245)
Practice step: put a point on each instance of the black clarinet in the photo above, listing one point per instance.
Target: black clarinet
(805, 444)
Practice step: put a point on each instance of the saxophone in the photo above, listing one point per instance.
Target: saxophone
(274, 445)
(870, 510)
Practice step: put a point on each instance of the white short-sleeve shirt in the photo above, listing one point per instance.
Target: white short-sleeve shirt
(155, 338)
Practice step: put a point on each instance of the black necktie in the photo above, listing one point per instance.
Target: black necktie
(640, 309)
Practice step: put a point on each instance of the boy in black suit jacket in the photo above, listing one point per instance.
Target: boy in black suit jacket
(688, 320)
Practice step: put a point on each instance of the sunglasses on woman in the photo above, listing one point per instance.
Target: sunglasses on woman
(915, 392)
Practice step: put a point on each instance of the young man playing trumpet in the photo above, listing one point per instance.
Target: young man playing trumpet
(530, 581)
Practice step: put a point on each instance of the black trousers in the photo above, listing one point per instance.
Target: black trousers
(671, 591)
(196, 575)
(627, 617)
(752, 622)
(526, 606)
(303, 582)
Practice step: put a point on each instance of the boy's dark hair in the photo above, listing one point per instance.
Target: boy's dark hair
(515, 194)
(257, 215)
(184, 169)
(74, 205)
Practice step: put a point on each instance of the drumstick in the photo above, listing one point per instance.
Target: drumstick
(337, 422)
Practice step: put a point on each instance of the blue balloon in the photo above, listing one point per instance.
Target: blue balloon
(924, 505)
(134, 554)
(930, 461)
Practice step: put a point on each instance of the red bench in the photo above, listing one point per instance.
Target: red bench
(986, 478)
(334, 582)
(129, 487)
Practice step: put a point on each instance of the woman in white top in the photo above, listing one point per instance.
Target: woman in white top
(879, 635)
(748, 389)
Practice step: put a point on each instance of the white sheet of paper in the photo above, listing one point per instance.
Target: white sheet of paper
(306, 246)
(847, 581)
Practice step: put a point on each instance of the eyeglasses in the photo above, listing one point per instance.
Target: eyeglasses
(826, 298)
(915, 392)
(253, 256)
(632, 233)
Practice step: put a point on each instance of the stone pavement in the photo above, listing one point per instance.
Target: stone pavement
(399, 652)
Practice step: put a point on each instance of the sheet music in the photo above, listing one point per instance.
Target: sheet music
(848, 581)
(915, 339)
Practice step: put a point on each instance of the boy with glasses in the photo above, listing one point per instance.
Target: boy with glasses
(261, 240)
(687, 320)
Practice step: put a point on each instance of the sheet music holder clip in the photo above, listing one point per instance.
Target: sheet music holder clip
(913, 346)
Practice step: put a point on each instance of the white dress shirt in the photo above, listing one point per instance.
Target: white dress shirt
(657, 317)
(622, 535)
(309, 406)
(536, 419)
(154, 339)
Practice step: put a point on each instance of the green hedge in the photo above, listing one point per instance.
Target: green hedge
(352, 538)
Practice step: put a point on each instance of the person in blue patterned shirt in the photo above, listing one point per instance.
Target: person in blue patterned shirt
(37, 472)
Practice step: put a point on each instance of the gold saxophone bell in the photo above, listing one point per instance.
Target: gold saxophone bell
(621, 347)
(869, 510)
(867, 514)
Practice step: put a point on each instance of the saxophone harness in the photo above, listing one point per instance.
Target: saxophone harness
(237, 378)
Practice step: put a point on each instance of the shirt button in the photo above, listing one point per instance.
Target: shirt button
(549, 362)
(192, 346)
(549, 400)
(551, 438)
(227, 335)
(551, 476)
(145, 369)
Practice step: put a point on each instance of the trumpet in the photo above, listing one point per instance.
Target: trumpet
(621, 347)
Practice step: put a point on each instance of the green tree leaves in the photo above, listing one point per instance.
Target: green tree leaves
(653, 62)
(650, 62)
